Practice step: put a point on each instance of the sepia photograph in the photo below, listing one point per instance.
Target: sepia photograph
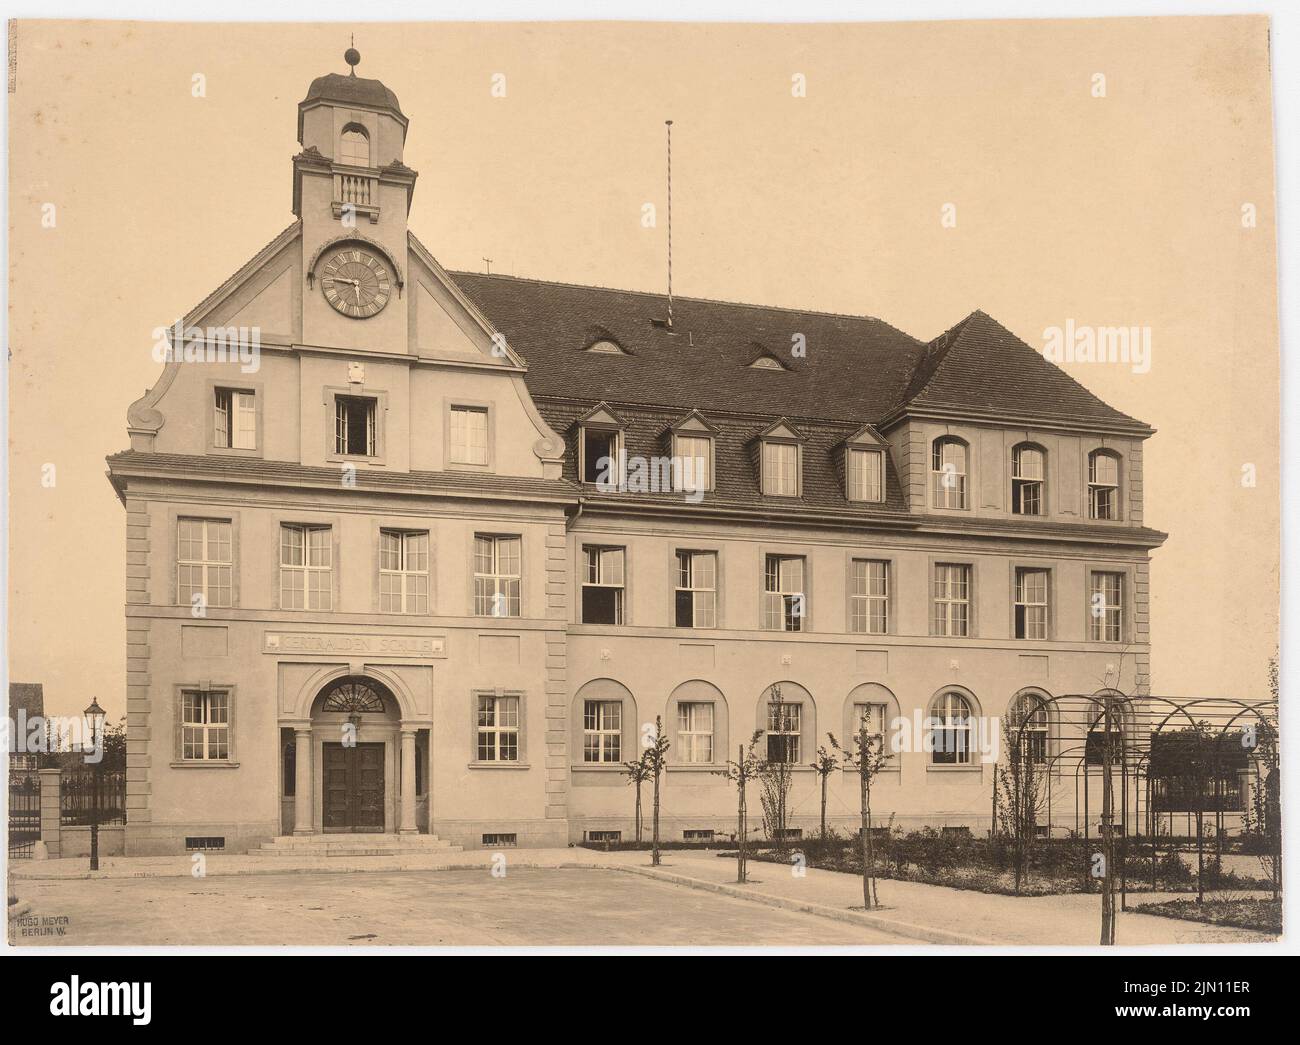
(700, 485)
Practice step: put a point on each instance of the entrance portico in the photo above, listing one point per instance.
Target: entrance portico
(357, 761)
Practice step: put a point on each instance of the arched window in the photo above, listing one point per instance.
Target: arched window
(1103, 485)
(948, 472)
(787, 718)
(604, 724)
(874, 706)
(697, 712)
(354, 146)
(1028, 480)
(1028, 719)
(951, 720)
(354, 696)
(1095, 744)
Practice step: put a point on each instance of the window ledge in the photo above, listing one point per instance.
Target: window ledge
(973, 768)
(498, 765)
(204, 763)
(599, 767)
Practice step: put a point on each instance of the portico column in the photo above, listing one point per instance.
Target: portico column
(407, 825)
(302, 780)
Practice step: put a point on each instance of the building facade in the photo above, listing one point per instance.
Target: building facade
(440, 559)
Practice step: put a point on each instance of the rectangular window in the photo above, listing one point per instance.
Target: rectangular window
(469, 435)
(1031, 603)
(204, 562)
(500, 840)
(866, 473)
(783, 732)
(781, 469)
(695, 731)
(951, 599)
(306, 564)
(602, 585)
(697, 590)
(869, 596)
(697, 834)
(498, 728)
(602, 731)
(354, 426)
(403, 572)
(235, 416)
(784, 601)
(600, 457)
(1106, 606)
(497, 572)
(205, 725)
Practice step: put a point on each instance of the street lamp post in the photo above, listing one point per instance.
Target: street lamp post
(95, 716)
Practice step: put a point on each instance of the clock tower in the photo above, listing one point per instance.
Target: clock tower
(352, 193)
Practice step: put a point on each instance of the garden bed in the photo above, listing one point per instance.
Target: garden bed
(1054, 866)
(1263, 915)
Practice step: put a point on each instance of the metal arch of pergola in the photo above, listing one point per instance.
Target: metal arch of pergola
(1124, 728)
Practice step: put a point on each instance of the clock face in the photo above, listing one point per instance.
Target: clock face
(355, 282)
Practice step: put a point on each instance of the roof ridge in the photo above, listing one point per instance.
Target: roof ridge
(684, 297)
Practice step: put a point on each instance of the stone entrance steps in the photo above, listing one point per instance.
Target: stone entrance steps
(354, 845)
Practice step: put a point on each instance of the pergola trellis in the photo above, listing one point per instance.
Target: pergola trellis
(1152, 758)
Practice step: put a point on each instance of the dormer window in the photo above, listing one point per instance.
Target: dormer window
(782, 460)
(606, 347)
(948, 467)
(693, 463)
(693, 440)
(866, 474)
(1028, 480)
(354, 146)
(601, 454)
(766, 363)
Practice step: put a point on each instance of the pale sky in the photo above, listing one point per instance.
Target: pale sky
(1117, 210)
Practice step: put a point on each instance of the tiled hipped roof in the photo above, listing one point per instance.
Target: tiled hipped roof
(737, 479)
(857, 369)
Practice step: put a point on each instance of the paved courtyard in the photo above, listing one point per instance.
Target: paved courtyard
(529, 907)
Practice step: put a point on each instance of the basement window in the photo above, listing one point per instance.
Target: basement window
(205, 842)
(604, 836)
(697, 836)
(500, 841)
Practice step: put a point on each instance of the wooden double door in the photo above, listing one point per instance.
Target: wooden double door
(353, 776)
